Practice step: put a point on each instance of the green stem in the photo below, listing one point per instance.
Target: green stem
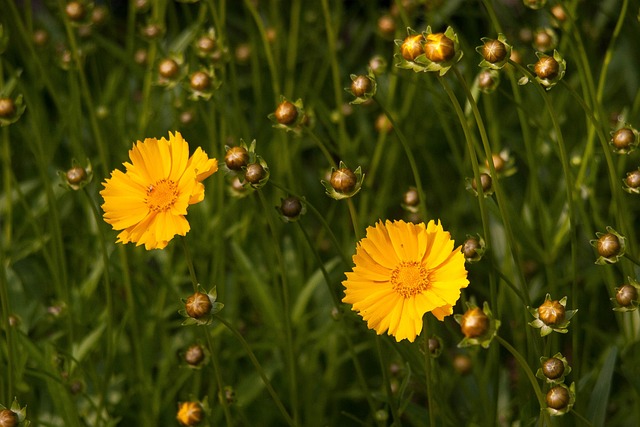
(259, 368)
(427, 373)
(385, 379)
(189, 260)
(215, 363)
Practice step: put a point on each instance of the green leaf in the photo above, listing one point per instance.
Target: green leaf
(600, 394)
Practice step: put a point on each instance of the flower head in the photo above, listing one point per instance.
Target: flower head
(478, 326)
(552, 315)
(402, 271)
(149, 202)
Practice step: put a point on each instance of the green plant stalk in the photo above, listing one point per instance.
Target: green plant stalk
(292, 47)
(259, 369)
(110, 312)
(189, 260)
(275, 81)
(322, 146)
(391, 401)
(215, 363)
(532, 378)
(8, 329)
(336, 303)
(427, 372)
(292, 365)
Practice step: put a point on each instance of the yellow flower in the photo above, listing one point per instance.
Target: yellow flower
(403, 270)
(149, 202)
(189, 413)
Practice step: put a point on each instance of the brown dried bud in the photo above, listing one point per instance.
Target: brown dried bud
(494, 51)
(608, 245)
(543, 40)
(254, 173)
(626, 294)
(486, 80)
(498, 162)
(206, 44)
(7, 107)
(286, 113)
(474, 323)
(462, 364)
(485, 180)
(343, 180)
(386, 25)
(434, 345)
(189, 414)
(623, 138)
(236, 158)
(411, 47)
(558, 397)
(200, 81)
(633, 179)
(168, 68)
(553, 368)
(439, 48)
(558, 12)
(76, 175)
(291, 207)
(75, 11)
(361, 86)
(8, 418)
(547, 67)
(411, 197)
(470, 247)
(551, 312)
(194, 355)
(198, 305)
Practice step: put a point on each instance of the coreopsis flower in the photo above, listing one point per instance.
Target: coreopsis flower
(440, 51)
(190, 413)
(552, 315)
(402, 271)
(149, 202)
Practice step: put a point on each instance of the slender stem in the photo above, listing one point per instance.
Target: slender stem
(216, 372)
(427, 373)
(189, 260)
(259, 368)
(385, 379)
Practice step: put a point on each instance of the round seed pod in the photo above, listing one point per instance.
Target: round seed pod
(608, 245)
(200, 81)
(485, 181)
(243, 53)
(7, 107)
(623, 138)
(187, 117)
(494, 51)
(168, 68)
(558, 397)
(254, 173)
(633, 179)
(76, 175)
(189, 414)
(386, 25)
(551, 312)
(474, 323)
(291, 207)
(486, 81)
(547, 67)
(626, 295)
(498, 162)
(439, 48)
(236, 158)
(206, 44)
(343, 180)
(411, 47)
(558, 12)
(194, 355)
(361, 86)
(198, 305)
(434, 345)
(470, 247)
(75, 11)
(553, 368)
(140, 56)
(99, 15)
(383, 124)
(543, 40)
(151, 31)
(40, 37)
(8, 418)
(411, 197)
(286, 113)
(462, 364)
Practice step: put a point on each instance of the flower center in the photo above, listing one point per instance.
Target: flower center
(409, 278)
(162, 195)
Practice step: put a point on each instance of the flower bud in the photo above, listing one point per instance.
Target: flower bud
(40, 37)
(608, 245)
(286, 113)
(236, 158)
(361, 86)
(8, 418)
(200, 81)
(488, 80)
(558, 12)
(553, 368)
(194, 355)
(462, 364)
(343, 180)
(494, 51)
(383, 124)
(551, 312)
(411, 198)
(99, 15)
(198, 305)
(206, 44)
(547, 68)
(7, 107)
(439, 48)
(187, 117)
(168, 68)
(243, 53)
(254, 173)
(190, 413)
(76, 175)
(474, 323)
(558, 397)
(386, 25)
(152, 31)
(470, 247)
(485, 180)
(291, 207)
(140, 56)
(623, 138)
(633, 179)
(498, 162)
(434, 346)
(545, 39)
(411, 47)
(75, 11)
(626, 295)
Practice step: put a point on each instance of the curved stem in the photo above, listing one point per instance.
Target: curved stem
(216, 372)
(189, 260)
